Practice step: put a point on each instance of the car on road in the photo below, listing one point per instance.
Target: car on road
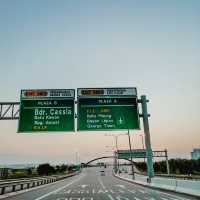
(102, 173)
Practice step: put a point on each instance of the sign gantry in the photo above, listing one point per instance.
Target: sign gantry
(98, 109)
(46, 110)
(9, 110)
(107, 109)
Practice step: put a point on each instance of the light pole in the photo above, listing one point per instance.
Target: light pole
(142, 144)
(142, 141)
(76, 155)
(116, 146)
(132, 166)
(112, 150)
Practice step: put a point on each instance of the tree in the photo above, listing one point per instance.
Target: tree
(45, 169)
(29, 171)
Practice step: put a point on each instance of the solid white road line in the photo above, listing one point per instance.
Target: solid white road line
(57, 190)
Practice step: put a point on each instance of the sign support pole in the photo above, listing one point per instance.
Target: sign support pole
(167, 162)
(145, 115)
(132, 166)
(115, 161)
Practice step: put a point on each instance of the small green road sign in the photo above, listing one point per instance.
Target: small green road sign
(107, 109)
(46, 110)
(136, 153)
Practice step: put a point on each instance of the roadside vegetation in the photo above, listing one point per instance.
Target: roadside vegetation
(42, 170)
(177, 166)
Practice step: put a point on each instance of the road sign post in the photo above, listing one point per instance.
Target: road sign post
(46, 110)
(167, 162)
(145, 115)
(107, 109)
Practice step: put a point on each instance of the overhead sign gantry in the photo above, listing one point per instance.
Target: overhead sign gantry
(46, 110)
(135, 153)
(98, 109)
(107, 109)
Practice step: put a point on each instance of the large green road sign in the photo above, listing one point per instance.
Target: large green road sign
(46, 110)
(136, 153)
(107, 109)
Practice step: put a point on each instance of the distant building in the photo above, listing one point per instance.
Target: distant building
(195, 154)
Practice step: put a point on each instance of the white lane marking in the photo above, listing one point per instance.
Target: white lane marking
(75, 198)
(57, 190)
(83, 186)
(118, 198)
(131, 191)
(121, 186)
(172, 196)
(142, 191)
(121, 191)
(101, 183)
(137, 190)
(110, 197)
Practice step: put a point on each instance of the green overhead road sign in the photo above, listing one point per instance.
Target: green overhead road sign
(135, 153)
(46, 110)
(107, 109)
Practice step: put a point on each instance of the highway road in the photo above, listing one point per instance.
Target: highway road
(90, 185)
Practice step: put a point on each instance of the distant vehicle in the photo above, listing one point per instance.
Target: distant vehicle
(102, 172)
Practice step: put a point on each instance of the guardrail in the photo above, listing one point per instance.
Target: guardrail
(184, 177)
(13, 186)
(189, 187)
(173, 176)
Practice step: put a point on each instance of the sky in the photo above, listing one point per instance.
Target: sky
(151, 45)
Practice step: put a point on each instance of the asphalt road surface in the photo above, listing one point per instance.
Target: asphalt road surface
(91, 185)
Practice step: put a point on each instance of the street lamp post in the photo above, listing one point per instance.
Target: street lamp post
(116, 146)
(132, 166)
(142, 144)
(113, 150)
